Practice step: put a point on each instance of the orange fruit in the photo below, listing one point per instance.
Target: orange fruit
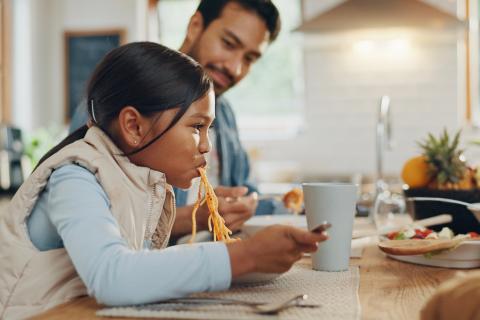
(415, 172)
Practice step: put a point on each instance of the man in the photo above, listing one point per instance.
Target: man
(226, 37)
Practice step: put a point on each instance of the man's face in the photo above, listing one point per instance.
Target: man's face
(229, 46)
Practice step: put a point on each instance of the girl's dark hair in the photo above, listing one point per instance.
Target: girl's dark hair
(148, 76)
(265, 9)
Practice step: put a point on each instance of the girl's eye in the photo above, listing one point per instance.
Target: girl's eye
(198, 126)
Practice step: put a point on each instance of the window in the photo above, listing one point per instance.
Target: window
(269, 101)
(173, 20)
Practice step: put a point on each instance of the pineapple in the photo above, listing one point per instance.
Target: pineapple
(446, 164)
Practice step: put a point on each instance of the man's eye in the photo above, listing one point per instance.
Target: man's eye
(198, 126)
(250, 59)
(228, 44)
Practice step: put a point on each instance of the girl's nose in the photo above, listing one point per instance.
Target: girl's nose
(205, 145)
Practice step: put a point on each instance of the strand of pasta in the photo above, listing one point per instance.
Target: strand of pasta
(197, 205)
(216, 223)
(220, 231)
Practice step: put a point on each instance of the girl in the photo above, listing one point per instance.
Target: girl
(96, 214)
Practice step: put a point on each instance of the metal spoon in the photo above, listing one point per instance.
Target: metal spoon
(195, 301)
(276, 307)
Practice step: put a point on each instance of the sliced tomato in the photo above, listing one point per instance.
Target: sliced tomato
(392, 235)
(473, 234)
(422, 234)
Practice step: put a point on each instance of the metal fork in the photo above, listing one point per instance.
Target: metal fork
(258, 307)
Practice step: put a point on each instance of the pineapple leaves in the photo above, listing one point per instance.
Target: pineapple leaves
(444, 158)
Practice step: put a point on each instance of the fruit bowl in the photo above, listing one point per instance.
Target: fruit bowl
(463, 220)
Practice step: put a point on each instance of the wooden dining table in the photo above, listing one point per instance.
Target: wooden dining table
(389, 289)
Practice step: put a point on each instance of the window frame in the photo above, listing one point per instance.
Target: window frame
(469, 54)
(5, 61)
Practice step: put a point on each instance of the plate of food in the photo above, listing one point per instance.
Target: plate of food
(424, 246)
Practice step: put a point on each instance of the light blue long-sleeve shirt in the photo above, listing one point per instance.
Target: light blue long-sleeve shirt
(74, 212)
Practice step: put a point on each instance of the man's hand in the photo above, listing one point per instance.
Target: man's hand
(233, 205)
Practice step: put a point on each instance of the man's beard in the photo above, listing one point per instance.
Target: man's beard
(219, 90)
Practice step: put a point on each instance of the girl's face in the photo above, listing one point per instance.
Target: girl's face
(181, 150)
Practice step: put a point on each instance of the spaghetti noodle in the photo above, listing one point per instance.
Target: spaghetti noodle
(216, 223)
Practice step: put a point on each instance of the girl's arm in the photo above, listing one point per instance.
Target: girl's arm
(113, 273)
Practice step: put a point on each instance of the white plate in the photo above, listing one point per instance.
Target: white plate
(465, 256)
(256, 278)
(256, 223)
(361, 226)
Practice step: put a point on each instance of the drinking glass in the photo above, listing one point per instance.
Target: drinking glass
(386, 209)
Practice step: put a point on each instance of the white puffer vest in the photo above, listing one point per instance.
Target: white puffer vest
(141, 201)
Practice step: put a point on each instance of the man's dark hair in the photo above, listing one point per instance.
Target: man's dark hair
(265, 9)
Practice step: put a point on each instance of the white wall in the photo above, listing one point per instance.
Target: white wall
(47, 64)
(343, 90)
(21, 63)
(38, 48)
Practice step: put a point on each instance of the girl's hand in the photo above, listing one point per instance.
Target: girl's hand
(274, 249)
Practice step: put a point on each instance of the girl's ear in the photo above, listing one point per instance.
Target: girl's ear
(194, 30)
(132, 126)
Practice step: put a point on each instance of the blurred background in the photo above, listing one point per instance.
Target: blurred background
(310, 110)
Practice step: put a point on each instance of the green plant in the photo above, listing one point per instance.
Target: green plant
(38, 142)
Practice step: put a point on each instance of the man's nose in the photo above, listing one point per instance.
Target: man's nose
(234, 65)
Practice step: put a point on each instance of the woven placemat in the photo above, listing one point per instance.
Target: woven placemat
(337, 292)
